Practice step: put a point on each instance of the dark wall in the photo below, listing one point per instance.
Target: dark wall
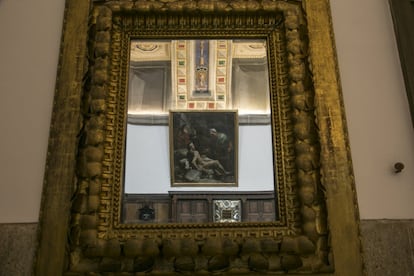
(403, 16)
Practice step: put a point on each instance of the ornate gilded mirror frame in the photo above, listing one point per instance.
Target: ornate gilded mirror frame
(317, 231)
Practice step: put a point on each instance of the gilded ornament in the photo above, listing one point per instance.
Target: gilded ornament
(307, 124)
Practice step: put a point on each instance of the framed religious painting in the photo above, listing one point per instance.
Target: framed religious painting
(203, 148)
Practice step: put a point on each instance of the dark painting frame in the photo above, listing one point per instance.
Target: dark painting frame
(203, 148)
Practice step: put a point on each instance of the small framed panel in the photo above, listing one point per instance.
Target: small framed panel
(203, 148)
(227, 210)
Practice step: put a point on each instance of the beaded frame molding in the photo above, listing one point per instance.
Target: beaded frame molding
(80, 229)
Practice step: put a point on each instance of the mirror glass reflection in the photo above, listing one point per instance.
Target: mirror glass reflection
(205, 76)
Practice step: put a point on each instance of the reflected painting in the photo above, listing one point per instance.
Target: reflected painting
(199, 132)
(203, 148)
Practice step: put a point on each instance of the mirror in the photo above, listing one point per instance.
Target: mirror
(82, 228)
(203, 79)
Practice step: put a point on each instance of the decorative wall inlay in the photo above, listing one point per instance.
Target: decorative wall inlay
(149, 51)
(227, 210)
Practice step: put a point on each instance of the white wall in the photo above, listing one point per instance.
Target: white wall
(148, 161)
(375, 101)
(29, 48)
(379, 125)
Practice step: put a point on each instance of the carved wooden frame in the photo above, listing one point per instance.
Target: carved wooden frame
(80, 229)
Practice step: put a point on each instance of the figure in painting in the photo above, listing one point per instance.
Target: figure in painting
(220, 147)
(203, 147)
(182, 138)
(203, 163)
